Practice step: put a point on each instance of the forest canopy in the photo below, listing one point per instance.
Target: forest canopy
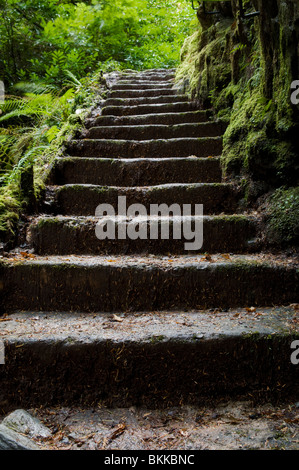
(39, 40)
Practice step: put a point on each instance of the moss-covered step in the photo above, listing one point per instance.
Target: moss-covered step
(155, 148)
(144, 119)
(141, 85)
(153, 76)
(83, 199)
(136, 171)
(145, 100)
(175, 358)
(156, 81)
(142, 93)
(77, 235)
(155, 131)
(179, 107)
(137, 283)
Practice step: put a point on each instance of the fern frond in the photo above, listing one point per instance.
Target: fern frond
(36, 88)
(74, 79)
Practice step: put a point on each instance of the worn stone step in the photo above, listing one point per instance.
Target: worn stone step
(155, 131)
(149, 109)
(153, 80)
(151, 77)
(154, 75)
(135, 172)
(128, 283)
(142, 86)
(145, 359)
(142, 100)
(83, 199)
(146, 119)
(77, 235)
(142, 93)
(155, 148)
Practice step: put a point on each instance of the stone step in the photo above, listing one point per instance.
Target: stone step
(71, 235)
(180, 107)
(142, 93)
(154, 75)
(155, 131)
(146, 119)
(128, 283)
(83, 199)
(148, 360)
(153, 80)
(142, 100)
(160, 148)
(135, 172)
(142, 86)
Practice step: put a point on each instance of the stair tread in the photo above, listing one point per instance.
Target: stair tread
(135, 160)
(84, 219)
(164, 262)
(145, 327)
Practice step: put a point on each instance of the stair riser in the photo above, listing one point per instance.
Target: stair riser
(155, 373)
(149, 109)
(156, 81)
(142, 93)
(147, 75)
(135, 172)
(75, 237)
(171, 148)
(142, 86)
(108, 287)
(137, 120)
(155, 132)
(145, 100)
(151, 78)
(82, 200)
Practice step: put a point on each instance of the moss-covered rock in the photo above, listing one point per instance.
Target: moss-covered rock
(282, 217)
(243, 69)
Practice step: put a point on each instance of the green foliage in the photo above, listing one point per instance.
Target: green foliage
(32, 133)
(42, 40)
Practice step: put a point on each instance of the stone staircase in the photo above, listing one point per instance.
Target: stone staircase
(142, 321)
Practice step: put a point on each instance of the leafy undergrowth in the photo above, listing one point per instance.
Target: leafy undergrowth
(34, 129)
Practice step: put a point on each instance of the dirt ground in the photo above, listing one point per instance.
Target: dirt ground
(228, 426)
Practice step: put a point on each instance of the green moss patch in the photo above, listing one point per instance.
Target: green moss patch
(283, 217)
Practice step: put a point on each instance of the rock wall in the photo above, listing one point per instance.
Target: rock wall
(244, 68)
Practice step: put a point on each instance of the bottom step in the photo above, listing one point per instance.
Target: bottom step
(151, 359)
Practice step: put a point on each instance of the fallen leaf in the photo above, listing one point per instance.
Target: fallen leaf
(116, 318)
(250, 309)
